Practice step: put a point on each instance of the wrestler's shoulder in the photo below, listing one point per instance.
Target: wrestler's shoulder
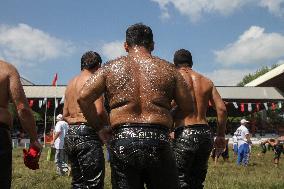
(7, 68)
(113, 63)
(71, 82)
(204, 79)
(164, 63)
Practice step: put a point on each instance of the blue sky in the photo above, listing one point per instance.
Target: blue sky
(227, 38)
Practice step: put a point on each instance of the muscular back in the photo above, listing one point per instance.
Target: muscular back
(139, 89)
(202, 92)
(72, 112)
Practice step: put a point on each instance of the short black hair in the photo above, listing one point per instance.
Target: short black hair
(90, 60)
(183, 56)
(139, 34)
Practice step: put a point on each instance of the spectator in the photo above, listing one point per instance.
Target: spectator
(59, 133)
(243, 138)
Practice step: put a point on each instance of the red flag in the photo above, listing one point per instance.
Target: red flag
(273, 106)
(31, 103)
(242, 107)
(48, 104)
(258, 106)
(54, 81)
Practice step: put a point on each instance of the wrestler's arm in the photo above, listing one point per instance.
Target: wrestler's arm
(105, 132)
(19, 99)
(220, 107)
(102, 114)
(184, 96)
(91, 91)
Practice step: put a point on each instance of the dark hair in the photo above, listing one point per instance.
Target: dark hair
(183, 56)
(90, 60)
(139, 34)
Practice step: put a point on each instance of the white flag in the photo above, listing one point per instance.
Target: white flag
(265, 105)
(40, 103)
(44, 101)
(62, 100)
(279, 105)
(249, 107)
(235, 105)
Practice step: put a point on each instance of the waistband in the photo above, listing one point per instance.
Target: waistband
(141, 131)
(193, 129)
(4, 126)
(81, 129)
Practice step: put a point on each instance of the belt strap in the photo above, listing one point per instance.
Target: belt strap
(141, 132)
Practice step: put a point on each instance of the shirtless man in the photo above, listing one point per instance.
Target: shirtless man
(193, 138)
(140, 88)
(82, 143)
(277, 145)
(11, 90)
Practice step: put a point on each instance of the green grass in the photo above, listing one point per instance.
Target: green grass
(260, 174)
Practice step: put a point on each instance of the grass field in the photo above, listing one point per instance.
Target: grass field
(260, 174)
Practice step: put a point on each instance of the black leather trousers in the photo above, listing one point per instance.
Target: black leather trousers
(5, 157)
(141, 154)
(84, 150)
(192, 147)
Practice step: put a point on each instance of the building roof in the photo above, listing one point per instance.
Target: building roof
(250, 94)
(227, 93)
(273, 78)
(25, 81)
(44, 91)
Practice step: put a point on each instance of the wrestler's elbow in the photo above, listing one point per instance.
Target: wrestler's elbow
(222, 111)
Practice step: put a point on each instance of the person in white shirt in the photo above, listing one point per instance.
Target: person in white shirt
(60, 131)
(243, 138)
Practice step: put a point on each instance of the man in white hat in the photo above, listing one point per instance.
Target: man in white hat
(60, 131)
(243, 138)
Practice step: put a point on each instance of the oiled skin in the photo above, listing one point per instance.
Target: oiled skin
(140, 88)
(72, 113)
(204, 92)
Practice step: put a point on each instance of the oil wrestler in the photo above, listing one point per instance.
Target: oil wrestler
(140, 88)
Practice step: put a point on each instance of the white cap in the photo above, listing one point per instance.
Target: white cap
(59, 117)
(244, 121)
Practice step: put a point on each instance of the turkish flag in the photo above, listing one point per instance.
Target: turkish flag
(273, 106)
(48, 104)
(242, 107)
(258, 106)
(31, 103)
(54, 81)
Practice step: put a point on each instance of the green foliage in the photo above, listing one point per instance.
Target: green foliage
(12, 110)
(38, 116)
(250, 77)
(226, 175)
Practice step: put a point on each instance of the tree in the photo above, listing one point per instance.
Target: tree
(250, 77)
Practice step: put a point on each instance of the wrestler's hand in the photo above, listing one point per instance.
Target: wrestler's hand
(105, 134)
(220, 142)
(32, 155)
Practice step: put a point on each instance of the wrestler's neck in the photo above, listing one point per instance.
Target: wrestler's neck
(185, 68)
(138, 52)
(90, 71)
